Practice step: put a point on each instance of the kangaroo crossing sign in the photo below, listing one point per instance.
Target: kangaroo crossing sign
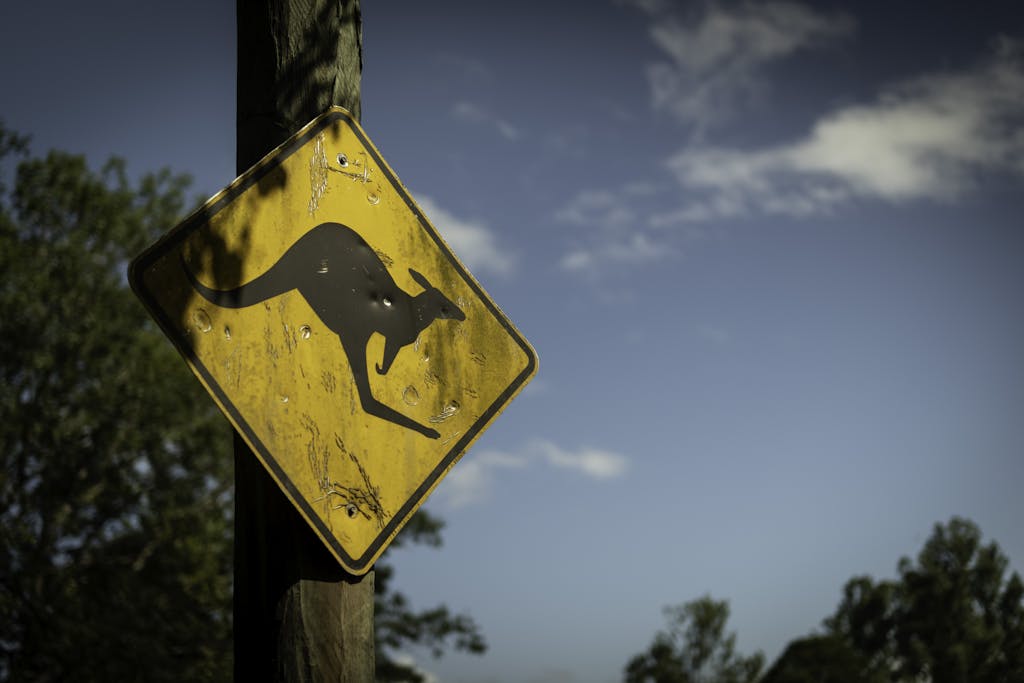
(337, 332)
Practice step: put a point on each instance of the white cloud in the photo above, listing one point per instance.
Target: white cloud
(592, 462)
(930, 138)
(715, 58)
(474, 113)
(468, 483)
(634, 250)
(613, 221)
(598, 209)
(607, 209)
(471, 481)
(472, 242)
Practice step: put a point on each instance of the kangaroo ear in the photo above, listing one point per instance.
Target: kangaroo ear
(420, 280)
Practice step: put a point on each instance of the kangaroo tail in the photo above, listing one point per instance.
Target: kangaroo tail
(266, 286)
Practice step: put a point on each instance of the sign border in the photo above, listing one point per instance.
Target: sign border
(137, 268)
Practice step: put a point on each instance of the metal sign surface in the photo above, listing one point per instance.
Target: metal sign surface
(337, 332)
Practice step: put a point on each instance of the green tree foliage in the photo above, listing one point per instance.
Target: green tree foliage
(397, 625)
(820, 659)
(695, 648)
(114, 498)
(116, 472)
(953, 616)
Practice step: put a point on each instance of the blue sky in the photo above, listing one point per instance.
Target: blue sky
(769, 255)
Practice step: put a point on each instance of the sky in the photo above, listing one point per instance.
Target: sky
(769, 255)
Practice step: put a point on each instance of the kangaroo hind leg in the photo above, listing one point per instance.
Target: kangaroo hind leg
(355, 350)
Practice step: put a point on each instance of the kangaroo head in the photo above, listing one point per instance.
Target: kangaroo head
(432, 304)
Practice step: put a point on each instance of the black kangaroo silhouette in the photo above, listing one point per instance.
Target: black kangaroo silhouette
(344, 281)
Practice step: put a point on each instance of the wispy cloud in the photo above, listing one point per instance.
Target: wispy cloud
(715, 56)
(613, 225)
(474, 113)
(472, 480)
(605, 208)
(473, 242)
(592, 462)
(635, 250)
(929, 138)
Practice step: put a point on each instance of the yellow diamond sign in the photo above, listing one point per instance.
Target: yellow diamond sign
(337, 331)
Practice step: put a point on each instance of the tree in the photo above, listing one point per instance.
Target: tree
(820, 659)
(114, 544)
(694, 649)
(952, 616)
(397, 625)
(115, 468)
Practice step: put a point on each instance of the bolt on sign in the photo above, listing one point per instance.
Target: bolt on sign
(336, 330)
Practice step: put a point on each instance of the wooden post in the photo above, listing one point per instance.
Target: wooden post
(298, 616)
